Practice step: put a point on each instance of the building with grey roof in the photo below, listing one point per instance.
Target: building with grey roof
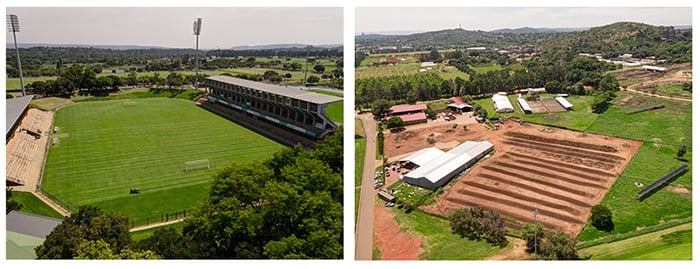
(436, 168)
(289, 107)
(15, 110)
(25, 232)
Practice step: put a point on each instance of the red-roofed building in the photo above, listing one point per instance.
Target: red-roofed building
(407, 109)
(416, 118)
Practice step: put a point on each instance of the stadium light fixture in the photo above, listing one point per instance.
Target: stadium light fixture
(196, 28)
(534, 213)
(13, 26)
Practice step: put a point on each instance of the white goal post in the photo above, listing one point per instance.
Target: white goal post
(196, 165)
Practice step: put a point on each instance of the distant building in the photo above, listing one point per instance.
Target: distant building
(501, 104)
(407, 109)
(459, 104)
(427, 64)
(563, 102)
(654, 68)
(524, 105)
(25, 232)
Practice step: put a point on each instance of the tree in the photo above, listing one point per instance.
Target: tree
(476, 224)
(174, 80)
(287, 207)
(602, 101)
(101, 250)
(533, 236)
(394, 122)
(10, 204)
(132, 78)
(681, 151)
(319, 68)
(167, 243)
(313, 79)
(90, 223)
(601, 218)
(379, 108)
(608, 84)
(431, 114)
(558, 246)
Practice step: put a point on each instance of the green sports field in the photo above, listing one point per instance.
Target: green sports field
(107, 147)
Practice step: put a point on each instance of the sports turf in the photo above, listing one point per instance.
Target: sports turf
(107, 147)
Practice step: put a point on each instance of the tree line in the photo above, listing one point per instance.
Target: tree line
(556, 76)
(289, 206)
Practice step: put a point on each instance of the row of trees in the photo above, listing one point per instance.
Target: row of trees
(476, 223)
(564, 77)
(287, 207)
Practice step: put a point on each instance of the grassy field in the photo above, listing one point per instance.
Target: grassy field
(580, 118)
(670, 244)
(31, 204)
(107, 147)
(439, 243)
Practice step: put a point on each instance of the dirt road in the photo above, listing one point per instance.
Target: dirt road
(363, 234)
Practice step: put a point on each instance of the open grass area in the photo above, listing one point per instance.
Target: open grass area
(670, 244)
(50, 103)
(13, 85)
(485, 68)
(580, 118)
(439, 243)
(107, 147)
(31, 204)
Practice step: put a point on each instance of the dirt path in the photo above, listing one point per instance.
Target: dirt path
(154, 225)
(363, 234)
(515, 253)
(629, 89)
(394, 244)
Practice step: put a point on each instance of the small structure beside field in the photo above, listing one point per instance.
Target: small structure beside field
(436, 168)
(501, 103)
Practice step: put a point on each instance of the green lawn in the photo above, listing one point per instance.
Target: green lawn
(31, 204)
(50, 103)
(670, 244)
(12, 84)
(107, 147)
(335, 111)
(439, 243)
(485, 68)
(580, 118)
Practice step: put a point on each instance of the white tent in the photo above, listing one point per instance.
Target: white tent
(563, 102)
(501, 104)
(439, 170)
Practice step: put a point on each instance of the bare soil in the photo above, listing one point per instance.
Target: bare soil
(395, 244)
(560, 173)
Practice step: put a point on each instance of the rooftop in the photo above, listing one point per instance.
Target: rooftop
(291, 92)
(407, 108)
(15, 107)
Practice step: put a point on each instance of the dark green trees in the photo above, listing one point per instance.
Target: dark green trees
(601, 218)
(476, 224)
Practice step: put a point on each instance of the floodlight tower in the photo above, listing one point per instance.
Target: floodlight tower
(308, 49)
(534, 213)
(196, 27)
(13, 26)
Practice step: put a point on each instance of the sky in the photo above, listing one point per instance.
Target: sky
(222, 27)
(423, 19)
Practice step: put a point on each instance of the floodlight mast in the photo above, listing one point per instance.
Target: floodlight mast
(13, 26)
(196, 28)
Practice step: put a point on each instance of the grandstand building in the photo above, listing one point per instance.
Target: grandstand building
(294, 109)
(15, 111)
(436, 168)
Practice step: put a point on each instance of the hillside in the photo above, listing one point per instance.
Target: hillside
(640, 40)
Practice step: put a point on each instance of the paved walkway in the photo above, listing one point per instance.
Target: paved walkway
(154, 225)
(365, 222)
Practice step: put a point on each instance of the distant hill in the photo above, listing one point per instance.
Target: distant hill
(539, 30)
(282, 46)
(50, 45)
(640, 40)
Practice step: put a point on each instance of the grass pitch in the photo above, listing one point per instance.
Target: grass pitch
(107, 147)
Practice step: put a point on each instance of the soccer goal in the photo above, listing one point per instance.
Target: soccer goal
(197, 165)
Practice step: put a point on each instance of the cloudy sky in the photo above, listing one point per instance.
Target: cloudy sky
(172, 27)
(422, 19)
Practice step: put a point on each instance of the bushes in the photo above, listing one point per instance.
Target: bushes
(476, 224)
(550, 245)
(601, 218)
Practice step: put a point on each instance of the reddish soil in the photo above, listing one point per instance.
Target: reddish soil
(560, 173)
(395, 244)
